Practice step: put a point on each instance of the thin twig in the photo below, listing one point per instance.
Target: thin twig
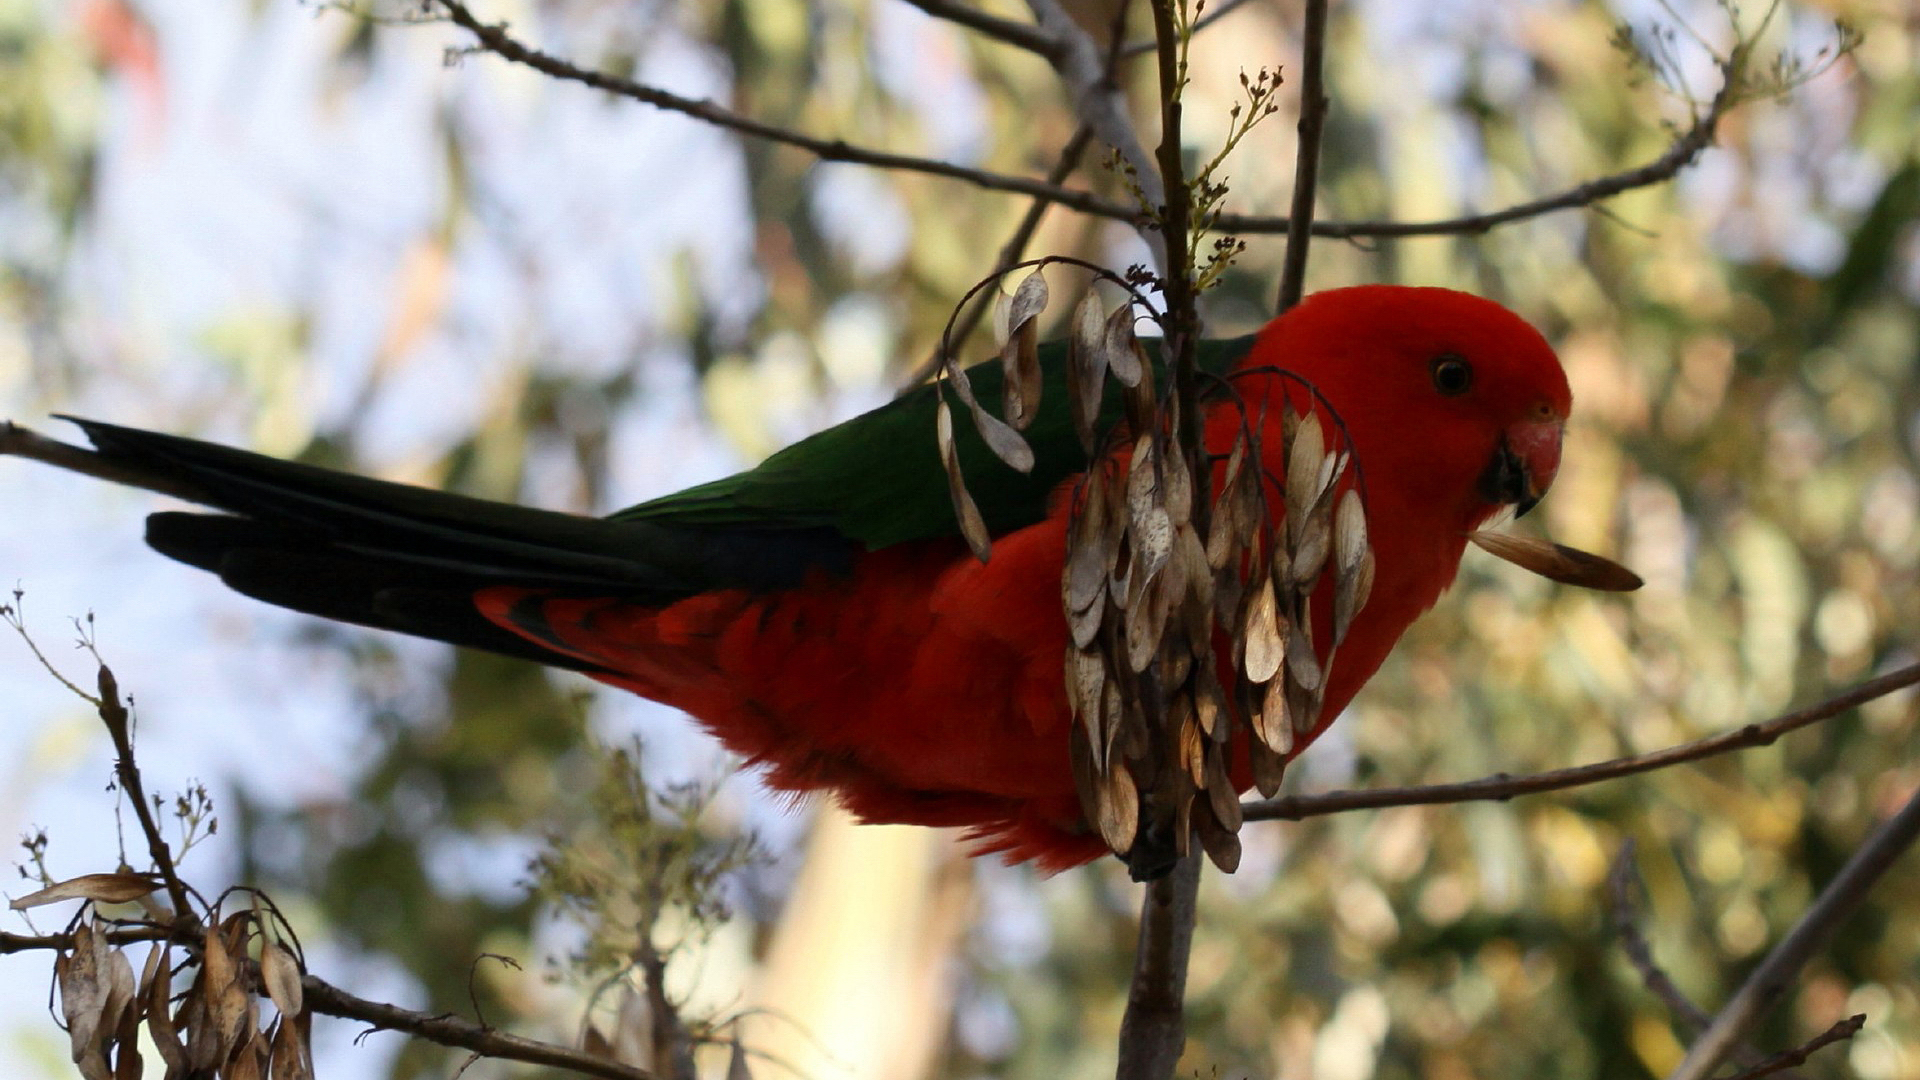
(1779, 1063)
(1306, 158)
(1768, 982)
(494, 38)
(119, 723)
(323, 997)
(1100, 104)
(1021, 35)
(1632, 942)
(1502, 786)
(1626, 923)
(1096, 101)
(1141, 48)
(1154, 1030)
(1010, 253)
(1680, 154)
(449, 1030)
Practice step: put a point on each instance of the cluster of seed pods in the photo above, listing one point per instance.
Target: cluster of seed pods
(1189, 587)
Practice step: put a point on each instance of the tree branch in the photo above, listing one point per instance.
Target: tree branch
(1768, 982)
(1626, 922)
(119, 723)
(1098, 103)
(1680, 154)
(1306, 158)
(1010, 253)
(1018, 34)
(1502, 786)
(1779, 1063)
(1154, 1030)
(1141, 48)
(494, 38)
(449, 1030)
(323, 997)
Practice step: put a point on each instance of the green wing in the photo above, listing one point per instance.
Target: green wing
(877, 479)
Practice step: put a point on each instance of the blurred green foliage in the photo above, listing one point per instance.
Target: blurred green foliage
(1742, 345)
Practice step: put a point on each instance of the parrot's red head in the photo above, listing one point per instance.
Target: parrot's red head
(1448, 397)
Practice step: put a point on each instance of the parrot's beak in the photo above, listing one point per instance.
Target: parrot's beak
(1523, 465)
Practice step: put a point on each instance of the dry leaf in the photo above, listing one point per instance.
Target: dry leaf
(1558, 562)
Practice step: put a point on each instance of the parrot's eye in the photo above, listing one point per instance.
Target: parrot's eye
(1452, 375)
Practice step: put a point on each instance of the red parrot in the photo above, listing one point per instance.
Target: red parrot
(822, 615)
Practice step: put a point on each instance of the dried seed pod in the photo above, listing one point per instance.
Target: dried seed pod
(1153, 543)
(1269, 768)
(82, 976)
(1113, 714)
(1263, 645)
(972, 526)
(1311, 545)
(1086, 691)
(118, 888)
(1193, 741)
(1007, 444)
(1087, 367)
(1123, 348)
(1221, 844)
(158, 994)
(1020, 353)
(1178, 482)
(1209, 701)
(1305, 453)
(1276, 730)
(1147, 618)
(1558, 562)
(1222, 799)
(281, 973)
(1119, 811)
(1303, 667)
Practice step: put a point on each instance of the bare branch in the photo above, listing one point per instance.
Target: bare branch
(1153, 1032)
(1768, 982)
(1502, 786)
(1141, 48)
(494, 38)
(449, 1030)
(1626, 923)
(1779, 1063)
(1018, 34)
(1306, 159)
(119, 724)
(1099, 103)
(1010, 253)
(1680, 154)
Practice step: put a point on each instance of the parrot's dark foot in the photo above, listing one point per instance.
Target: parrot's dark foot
(1155, 851)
